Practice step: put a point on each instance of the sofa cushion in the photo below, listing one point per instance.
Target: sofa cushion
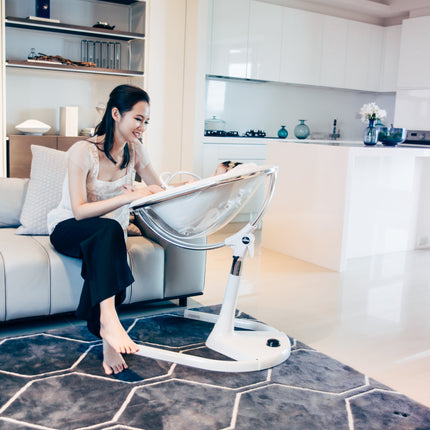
(48, 170)
(25, 285)
(12, 191)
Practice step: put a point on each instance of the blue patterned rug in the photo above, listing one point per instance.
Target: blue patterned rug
(54, 380)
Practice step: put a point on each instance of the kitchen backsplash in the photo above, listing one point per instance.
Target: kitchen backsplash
(245, 105)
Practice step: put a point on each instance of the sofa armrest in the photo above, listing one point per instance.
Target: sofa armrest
(184, 273)
(12, 195)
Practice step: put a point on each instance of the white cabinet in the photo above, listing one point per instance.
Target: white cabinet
(390, 58)
(257, 40)
(333, 56)
(374, 62)
(363, 57)
(414, 61)
(264, 43)
(230, 23)
(301, 47)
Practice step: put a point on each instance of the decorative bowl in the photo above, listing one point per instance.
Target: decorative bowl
(33, 126)
(391, 136)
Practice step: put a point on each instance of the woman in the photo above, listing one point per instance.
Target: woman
(91, 219)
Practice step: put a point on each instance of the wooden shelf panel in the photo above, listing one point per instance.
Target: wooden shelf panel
(31, 24)
(68, 68)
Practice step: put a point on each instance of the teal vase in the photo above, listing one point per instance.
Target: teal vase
(282, 132)
(302, 130)
(371, 133)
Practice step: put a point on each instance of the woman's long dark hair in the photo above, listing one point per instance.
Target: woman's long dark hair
(123, 97)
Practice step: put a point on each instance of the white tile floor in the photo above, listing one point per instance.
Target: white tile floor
(374, 316)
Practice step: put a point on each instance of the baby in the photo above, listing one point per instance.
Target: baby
(226, 166)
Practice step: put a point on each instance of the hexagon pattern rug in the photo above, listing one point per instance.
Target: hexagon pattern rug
(54, 381)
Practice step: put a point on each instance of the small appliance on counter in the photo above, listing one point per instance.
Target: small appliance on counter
(255, 133)
(221, 133)
(234, 133)
(417, 137)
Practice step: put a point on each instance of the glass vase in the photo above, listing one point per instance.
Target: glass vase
(282, 132)
(371, 133)
(302, 130)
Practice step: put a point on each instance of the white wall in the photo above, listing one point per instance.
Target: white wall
(175, 81)
(266, 106)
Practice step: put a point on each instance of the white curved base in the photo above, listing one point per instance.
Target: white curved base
(249, 349)
(258, 348)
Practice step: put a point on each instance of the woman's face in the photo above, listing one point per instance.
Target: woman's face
(131, 125)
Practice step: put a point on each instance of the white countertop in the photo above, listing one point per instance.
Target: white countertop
(267, 140)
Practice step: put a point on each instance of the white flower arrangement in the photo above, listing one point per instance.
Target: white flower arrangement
(371, 111)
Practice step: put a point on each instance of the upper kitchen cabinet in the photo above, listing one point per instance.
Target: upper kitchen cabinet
(230, 25)
(333, 52)
(258, 40)
(301, 47)
(363, 57)
(390, 58)
(264, 42)
(414, 60)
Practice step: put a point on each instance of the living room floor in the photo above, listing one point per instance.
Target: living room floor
(374, 316)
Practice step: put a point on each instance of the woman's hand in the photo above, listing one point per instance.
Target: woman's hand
(136, 193)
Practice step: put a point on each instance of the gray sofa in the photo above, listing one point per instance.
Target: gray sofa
(35, 280)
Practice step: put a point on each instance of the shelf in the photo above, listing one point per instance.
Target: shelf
(76, 69)
(124, 2)
(31, 24)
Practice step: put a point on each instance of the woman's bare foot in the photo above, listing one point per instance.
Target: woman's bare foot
(112, 331)
(115, 335)
(112, 360)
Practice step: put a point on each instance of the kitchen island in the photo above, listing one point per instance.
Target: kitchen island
(341, 200)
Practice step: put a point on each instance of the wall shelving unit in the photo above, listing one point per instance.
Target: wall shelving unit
(37, 89)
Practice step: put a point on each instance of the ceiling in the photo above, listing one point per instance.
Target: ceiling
(381, 12)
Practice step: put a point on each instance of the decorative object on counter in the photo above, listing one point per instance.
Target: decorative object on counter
(68, 120)
(282, 132)
(379, 123)
(253, 133)
(371, 133)
(301, 131)
(214, 123)
(335, 134)
(391, 136)
(33, 126)
(371, 112)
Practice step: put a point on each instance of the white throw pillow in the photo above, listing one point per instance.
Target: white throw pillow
(48, 170)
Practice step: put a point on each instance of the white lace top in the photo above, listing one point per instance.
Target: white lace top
(85, 154)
